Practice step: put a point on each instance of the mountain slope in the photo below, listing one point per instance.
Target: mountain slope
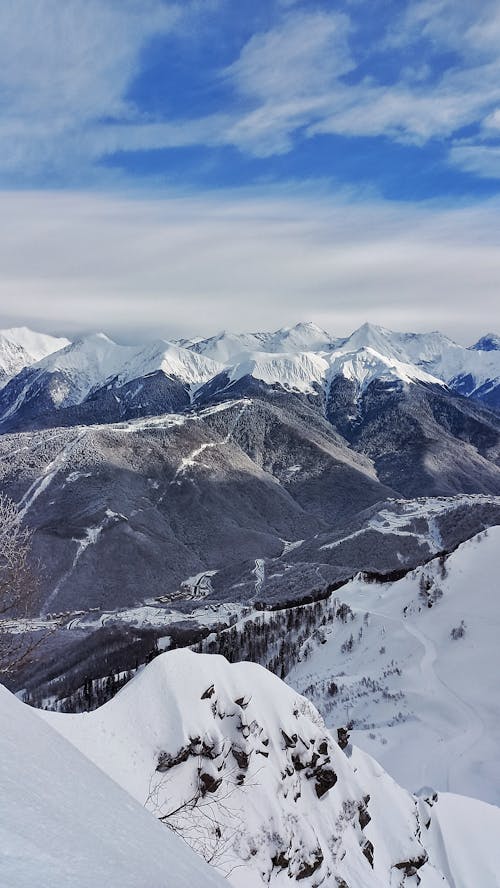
(21, 347)
(95, 380)
(415, 668)
(65, 823)
(277, 800)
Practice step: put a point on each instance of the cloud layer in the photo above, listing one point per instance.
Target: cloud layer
(173, 265)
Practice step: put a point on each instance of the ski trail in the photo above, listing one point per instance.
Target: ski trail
(471, 726)
(235, 423)
(190, 460)
(48, 475)
(259, 572)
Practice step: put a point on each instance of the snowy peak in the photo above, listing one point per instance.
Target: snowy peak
(300, 372)
(302, 337)
(302, 358)
(366, 365)
(229, 348)
(20, 347)
(174, 361)
(490, 342)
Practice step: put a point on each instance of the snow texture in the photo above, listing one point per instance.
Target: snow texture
(65, 824)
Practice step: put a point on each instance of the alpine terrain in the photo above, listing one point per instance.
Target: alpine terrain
(265, 611)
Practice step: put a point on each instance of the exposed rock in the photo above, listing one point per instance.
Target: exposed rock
(326, 778)
(368, 851)
(363, 815)
(241, 757)
(280, 860)
(209, 783)
(290, 742)
(342, 737)
(410, 867)
(208, 693)
(307, 869)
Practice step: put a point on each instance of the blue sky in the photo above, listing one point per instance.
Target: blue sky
(390, 108)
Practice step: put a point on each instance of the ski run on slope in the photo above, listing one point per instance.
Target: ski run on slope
(416, 668)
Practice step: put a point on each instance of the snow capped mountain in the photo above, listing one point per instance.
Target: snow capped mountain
(174, 361)
(299, 372)
(82, 365)
(365, 365)
(21, 347)
(228, 348)
(65, 823)
(471, 372)
(490, 342)
(303, 359)
(244, 768)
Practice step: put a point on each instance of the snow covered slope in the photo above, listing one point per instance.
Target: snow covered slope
(64, 823)
(303, 359)
(415, 666)
(366, 365)
(21, 347)
(245, 769)
(473, 372)
(229, 348)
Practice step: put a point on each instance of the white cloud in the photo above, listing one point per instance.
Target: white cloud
(177, 265)
(66, 64)
(482, 160)
(301, 57)
(66, 67)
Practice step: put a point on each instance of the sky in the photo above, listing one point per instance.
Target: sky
(181, 168)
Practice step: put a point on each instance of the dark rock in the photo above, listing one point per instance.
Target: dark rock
(208, 693)
(310, 867)
(241, 757)
(325, 778)
(209, 783)
(290, 742)
(280, 860)
(166, 760)
(363, 816)
(411, 866)
(368, 851)
(342, 737)
(243, 702)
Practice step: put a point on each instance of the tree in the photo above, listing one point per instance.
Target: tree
(207, 821)
(18, 587)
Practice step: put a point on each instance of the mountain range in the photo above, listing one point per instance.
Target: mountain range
(45, 379)
(323, 507)
(172, 484)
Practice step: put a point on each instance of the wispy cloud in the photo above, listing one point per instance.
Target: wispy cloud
(67, 68)
(173, 265)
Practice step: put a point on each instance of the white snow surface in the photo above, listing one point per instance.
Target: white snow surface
(230, 348)
(66, 824)
(21, 347)
(185, 701)
(298, 372)
(427, 706)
